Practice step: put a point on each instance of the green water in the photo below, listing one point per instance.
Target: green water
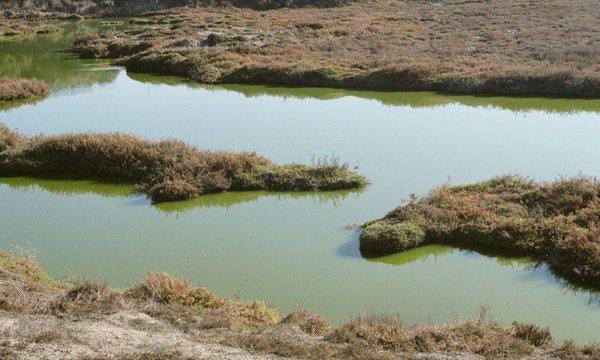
(294, 248)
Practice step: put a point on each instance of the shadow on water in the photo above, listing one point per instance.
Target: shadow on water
(534, 270)
(413, 99)
(67, 186)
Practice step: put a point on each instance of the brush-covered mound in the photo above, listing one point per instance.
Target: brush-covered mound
(557, 222)
(445, 46)
(166, 170)
(16, 88)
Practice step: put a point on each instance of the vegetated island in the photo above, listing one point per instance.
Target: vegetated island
(166, 170)
(556, 222)
(504, 47)
(165, 317)
(21, 89)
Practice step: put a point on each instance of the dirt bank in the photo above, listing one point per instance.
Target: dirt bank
(165, 317)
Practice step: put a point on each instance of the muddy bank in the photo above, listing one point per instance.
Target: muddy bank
(555, 222)
(447, 47)
(165, 317)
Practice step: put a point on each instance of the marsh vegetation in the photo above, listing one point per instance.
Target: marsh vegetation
(20, 89)
(166, 170)
(448, 46)
(555, 222)
(183, 320)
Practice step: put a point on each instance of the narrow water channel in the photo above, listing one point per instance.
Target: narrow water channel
(294, 248)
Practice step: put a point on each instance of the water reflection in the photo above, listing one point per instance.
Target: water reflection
(67, 186)
(536, 271)
(48, 58)
(413, 99)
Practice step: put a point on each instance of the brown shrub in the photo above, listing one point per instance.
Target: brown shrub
(85, 298)
(14, 89)
(308, 322)
(166, 289)
(448, 46)
(166, 170)
(473, 336)
(531, 333)
(557, 222)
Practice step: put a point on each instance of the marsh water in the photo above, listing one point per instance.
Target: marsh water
(294, 248)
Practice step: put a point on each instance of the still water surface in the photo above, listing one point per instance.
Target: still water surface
(294, 248)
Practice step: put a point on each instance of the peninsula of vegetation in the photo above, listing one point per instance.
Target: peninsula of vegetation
(556, 222)
(165, 170)
(165, 317)
(19, 89)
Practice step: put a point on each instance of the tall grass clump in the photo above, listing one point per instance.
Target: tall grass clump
(16, 89)
(556, 222)
(166, 170)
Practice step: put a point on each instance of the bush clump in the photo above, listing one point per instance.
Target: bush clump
(165, 289)
(557, 222)
(166, 170)
(16, 89)
(308, 322)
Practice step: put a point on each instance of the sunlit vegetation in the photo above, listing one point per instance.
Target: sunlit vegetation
(452, 47)
(166, 170)
(41, 314)
(556, 222)
(19, 89)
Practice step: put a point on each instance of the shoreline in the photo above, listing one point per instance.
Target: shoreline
(72, 318)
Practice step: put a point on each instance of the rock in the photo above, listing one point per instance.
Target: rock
(212, 40)
(186, 43)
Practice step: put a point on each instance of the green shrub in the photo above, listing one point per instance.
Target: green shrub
(383, 237)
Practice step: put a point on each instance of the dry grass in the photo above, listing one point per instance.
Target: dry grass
(182, 313)
(557, 222)
(501, 47)
(17, 89)
(166, 170)
(473, 336)
(166, 289)
(308, 322)
(75, 9)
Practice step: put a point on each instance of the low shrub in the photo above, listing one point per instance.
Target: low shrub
(166, 170)
(169, 290)
(15, 89)
(557, 222)
(532, 333)
(308, 322)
